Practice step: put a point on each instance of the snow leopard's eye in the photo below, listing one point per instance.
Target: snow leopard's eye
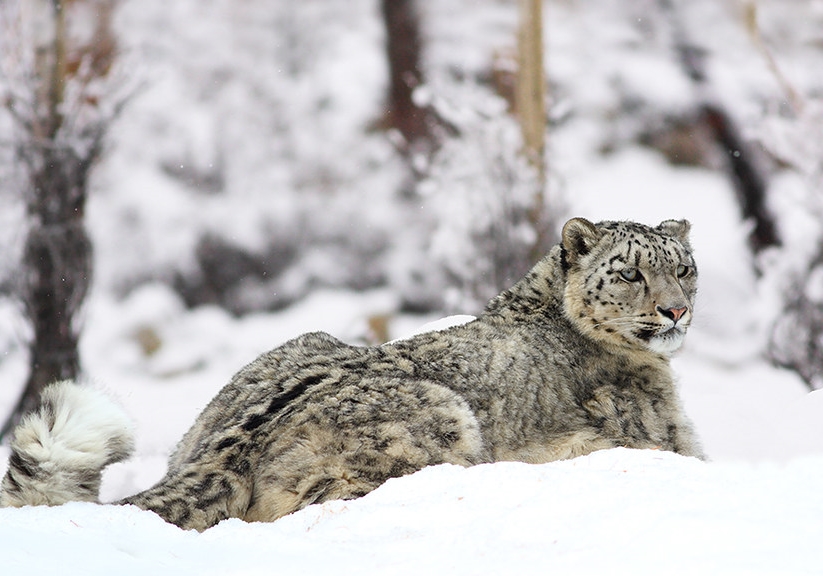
(683, 271)
(631, 275)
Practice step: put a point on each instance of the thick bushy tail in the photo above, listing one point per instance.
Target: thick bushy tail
(60, 450)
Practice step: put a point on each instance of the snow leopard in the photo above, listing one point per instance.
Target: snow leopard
(573, 358)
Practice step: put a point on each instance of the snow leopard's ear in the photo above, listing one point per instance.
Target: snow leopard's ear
(579, 237)
(678, 229)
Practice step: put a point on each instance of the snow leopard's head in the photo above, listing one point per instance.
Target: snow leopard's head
(628, 284)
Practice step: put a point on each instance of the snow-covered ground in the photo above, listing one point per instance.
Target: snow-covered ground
(613, 512)
(287, 112)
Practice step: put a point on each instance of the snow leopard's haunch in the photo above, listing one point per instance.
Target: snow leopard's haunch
(573, 358)
(59, 451)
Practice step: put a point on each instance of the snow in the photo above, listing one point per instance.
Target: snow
(272, 106)
(617, 512)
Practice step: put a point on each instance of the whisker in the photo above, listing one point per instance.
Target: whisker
(633, 322)
(620, 321)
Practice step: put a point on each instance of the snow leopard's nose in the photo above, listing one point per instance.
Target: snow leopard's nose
(674, 314)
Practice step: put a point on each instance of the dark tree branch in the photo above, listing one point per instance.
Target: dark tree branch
(749, 184)
(747, 178)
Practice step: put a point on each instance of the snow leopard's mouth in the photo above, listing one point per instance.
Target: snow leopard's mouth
(676, 329)
(667, 340)
(673, 331)
(646, 334)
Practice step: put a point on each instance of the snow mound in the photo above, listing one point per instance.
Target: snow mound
(617, 511)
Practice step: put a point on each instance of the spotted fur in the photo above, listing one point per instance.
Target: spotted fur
(572, 359)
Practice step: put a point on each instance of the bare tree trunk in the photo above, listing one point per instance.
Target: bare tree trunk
(531, 110)
(403, 50)
(57, 256)
(57, 264)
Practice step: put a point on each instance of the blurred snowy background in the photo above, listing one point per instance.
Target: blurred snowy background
(251, 189)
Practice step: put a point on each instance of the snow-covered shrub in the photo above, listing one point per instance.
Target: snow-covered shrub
(480, 190)
(252, 174)
(797, 336)
(795, 273)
